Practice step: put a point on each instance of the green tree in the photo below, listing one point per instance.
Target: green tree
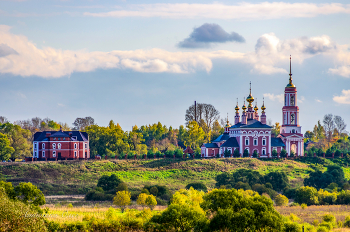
(237, 210)
(281, 200)
(197, 186)
(307, 195)
(122, 199)
(154, 191)
(18, 216)
(227, 153)
(283, 153)
(178, 218)
(246, 153)
(151, 201)
(276, 129)
(122, 187)
(279, 180)
(108, 183)
(274, 153)
(255, 154)
(29, 194)
(5, 149)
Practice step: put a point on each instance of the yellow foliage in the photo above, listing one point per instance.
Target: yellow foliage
(189, 197)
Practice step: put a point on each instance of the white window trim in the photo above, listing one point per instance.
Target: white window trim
(43, 146)
(255, 140)
(263, 151)
(75, 146)
(264, 141)
(54, 154)
(246, 141)
(43, 154)
(59, 146)
(75, 154)
(54, 146)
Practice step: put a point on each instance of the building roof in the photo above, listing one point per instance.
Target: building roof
(290, 135)
(188, 150)
(251, 123)
(222, 137)
(210, 145)
(231, 142)
(72, 135)
(277, 142)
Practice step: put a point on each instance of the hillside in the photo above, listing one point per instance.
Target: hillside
(77, 177)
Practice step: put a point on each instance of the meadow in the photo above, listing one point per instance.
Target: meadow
(78, 177)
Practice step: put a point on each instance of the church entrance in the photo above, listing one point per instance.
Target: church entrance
(293, 149)
(59, 155)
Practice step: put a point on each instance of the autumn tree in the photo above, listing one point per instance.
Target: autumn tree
(151, 201)
(339, 125)
(328, 125)
(194, 135)
(281, 200)
(122, 199)
(141, 199)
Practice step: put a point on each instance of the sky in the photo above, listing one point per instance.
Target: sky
(140, 62)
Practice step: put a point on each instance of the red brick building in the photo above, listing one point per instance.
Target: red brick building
(60, 145)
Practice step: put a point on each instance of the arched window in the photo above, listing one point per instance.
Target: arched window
(43, 146)
(292, 119)
(59, 146)
(75, 146)
(263, 151)
(264, 142)
(247, 141)
(43, 153)
(255, 141)
(54, 146)
(292, 100)
(53, 154)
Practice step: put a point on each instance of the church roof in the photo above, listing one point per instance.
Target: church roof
(59, 134)
(73, 135)
(222, 137)
(290, 135)
(277, 142)
(251, 123)
(231, 142)
(210, 145)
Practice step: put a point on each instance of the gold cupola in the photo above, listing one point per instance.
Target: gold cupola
(290, 84)
(256, 108)
(244, 107)
(250, 98)
(263, 108)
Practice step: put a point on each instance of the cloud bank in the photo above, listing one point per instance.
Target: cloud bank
(245, 11)
(207, 34)
(344, 98)
(18, 56)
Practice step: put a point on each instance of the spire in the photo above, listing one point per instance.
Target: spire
(227, 122)
(250, 88)
(263, 106)
(256, 106)
(237, 107)
(290, 84)
(250, 98)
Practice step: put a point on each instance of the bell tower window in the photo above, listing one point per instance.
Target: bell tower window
(292, 100)
(292, 119)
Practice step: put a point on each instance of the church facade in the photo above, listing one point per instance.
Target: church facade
(250, 132)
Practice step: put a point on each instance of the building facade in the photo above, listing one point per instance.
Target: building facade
(250, 132)
(60, 145)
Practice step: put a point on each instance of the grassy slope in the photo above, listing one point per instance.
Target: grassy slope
(76, 177)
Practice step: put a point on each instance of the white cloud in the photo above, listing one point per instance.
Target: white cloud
(344, 98)
(301, 99)
(60, 104)
(274, 97)
(18, 56)
(343, 71)
(245, 11)
(318, 100)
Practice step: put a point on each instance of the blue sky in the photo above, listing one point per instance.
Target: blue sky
(140, 63)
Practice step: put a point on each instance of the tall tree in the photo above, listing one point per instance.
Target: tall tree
(328, 125)
(3, 120)
(81, 123)
(5, 149)
(207, 112)
(194, 135)
(339, 124)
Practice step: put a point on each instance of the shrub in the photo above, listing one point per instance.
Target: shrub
(108, 183)
(70, 205)
(292, 227)
(347, 222)
(281, 200)
(153, 191)
(246, 153)
(236, 153)
(328, 225)
(151, 201)
(303, 206)
(322, 229)
(122, 187)
(307, 195)
(255, 154)
(274, 153)
(197, 186)
(283, 153)
(329, 218)
(227, 153)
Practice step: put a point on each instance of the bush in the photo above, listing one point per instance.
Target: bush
(281, 200)
(328, 225)
(154, 191)
(307, 195)
(322, 229)
(303, 206)
(283, 153)
(292, 227)
(347, 222)
(197, 186)
(245, 153)
(236, 153)
(329, 218)
(122, 187)
(255, 154)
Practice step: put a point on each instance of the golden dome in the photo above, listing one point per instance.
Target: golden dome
(237, 108)
(256, 108)
(244, 107)
(263, 108)
(250, 98)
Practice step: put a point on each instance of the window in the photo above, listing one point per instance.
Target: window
(255, 142)
(35, 145)
(43, 146)
(75, 146)
(264, 151)
(43, 153)
(64, 138)
(285, 119)
(292, 102)
(293, 131)
(59, 146)
(285, 100)
(54, 138)
(35, 154)
(59, 138)
(247, 141)
(53, 154)
(292, 119)
(85, 145)
(264, 142)
(75, 154)
(54, 146)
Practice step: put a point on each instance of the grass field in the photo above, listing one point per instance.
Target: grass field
(77, 177)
